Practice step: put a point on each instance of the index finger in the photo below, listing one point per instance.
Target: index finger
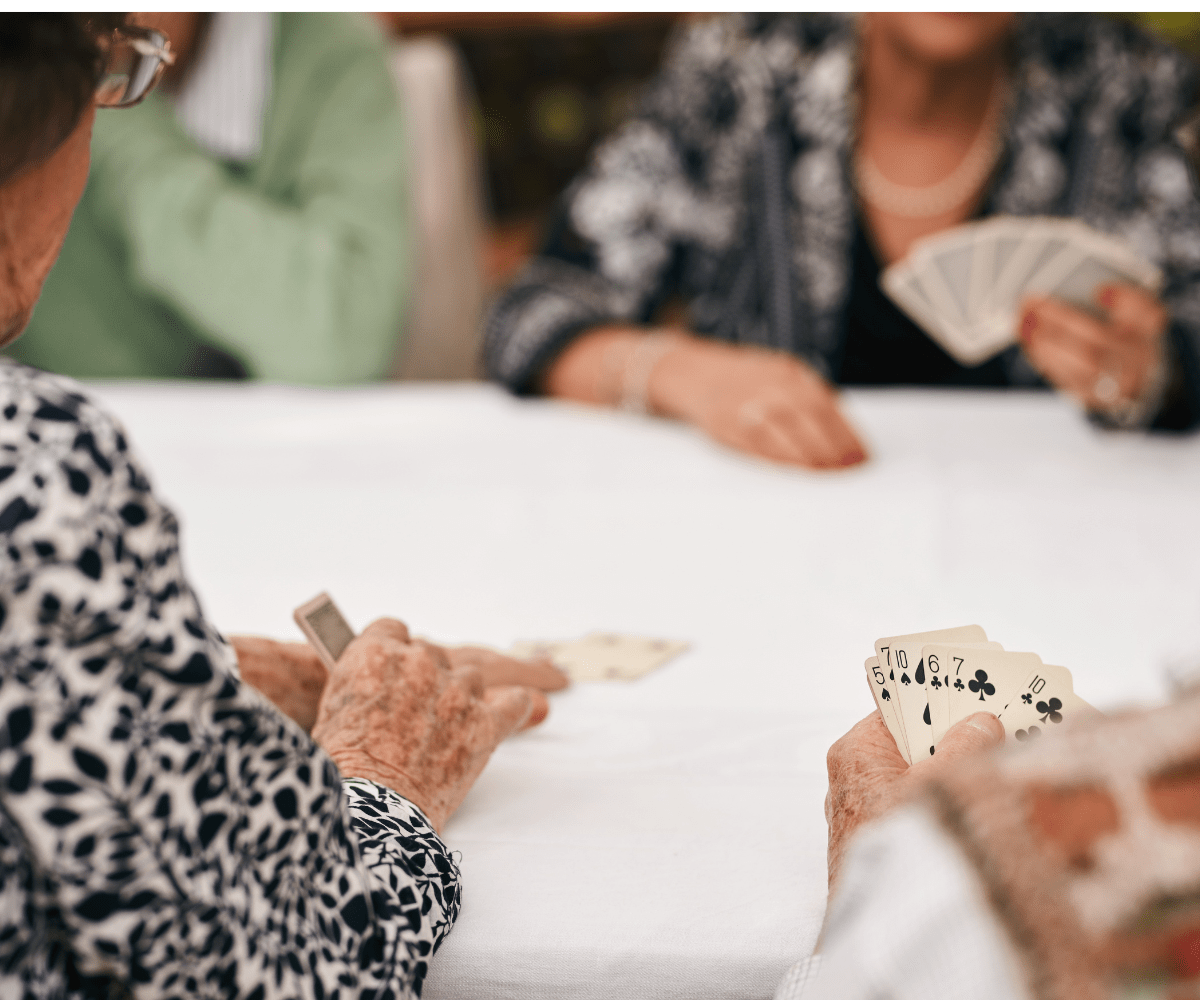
(509, 708)
(499, 669)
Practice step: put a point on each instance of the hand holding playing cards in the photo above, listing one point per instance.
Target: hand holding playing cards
(764, 402)
(868, 775)
(1102, 362)
(292, 676)
(397, 711)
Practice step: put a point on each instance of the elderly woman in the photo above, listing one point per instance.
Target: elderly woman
(164, 830)
(780, 162)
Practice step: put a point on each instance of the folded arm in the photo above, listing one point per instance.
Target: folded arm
(306, 284)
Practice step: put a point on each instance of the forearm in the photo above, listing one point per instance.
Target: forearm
(609, 365)
(306, 288)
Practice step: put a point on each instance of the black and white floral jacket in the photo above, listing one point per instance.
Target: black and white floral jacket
(164, 831)
(732, 188)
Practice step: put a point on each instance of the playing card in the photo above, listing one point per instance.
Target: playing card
(604, 656)
(939, 660)
(964, 285)
(881, 691)
(945, 270)
(983, 680)
(901, 285)
(902, 653)
(1044, 701)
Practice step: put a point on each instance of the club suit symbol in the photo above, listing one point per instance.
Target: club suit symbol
(1027, 698)
(1050, 710)
(958, 684)
(981, 686)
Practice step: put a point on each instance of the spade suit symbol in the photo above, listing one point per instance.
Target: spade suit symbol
(1051, 710)
(885, 696)
(920, 678)
(981, 686)
(904, 679)
(926, 716)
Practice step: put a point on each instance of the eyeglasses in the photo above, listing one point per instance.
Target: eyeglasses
(135, 60)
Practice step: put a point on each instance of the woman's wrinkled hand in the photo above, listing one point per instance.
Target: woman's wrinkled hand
(1103, 362)
(764, 402)
(398, 711)
(868, 776)
(293, 677)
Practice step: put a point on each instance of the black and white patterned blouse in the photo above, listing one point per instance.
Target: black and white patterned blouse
(732, 188)
(164, 831)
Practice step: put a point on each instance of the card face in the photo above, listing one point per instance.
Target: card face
(604, 656)
(939, 660)
(984, 680)
(881, 690)
(1044, 701)
(902, 654)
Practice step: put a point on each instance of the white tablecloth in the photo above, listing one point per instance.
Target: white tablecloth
(665, 838)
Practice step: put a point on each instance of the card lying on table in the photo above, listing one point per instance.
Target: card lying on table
(925, 682)
(603, 656)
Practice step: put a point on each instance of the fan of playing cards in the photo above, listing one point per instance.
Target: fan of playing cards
(965, 285)
(926, 682)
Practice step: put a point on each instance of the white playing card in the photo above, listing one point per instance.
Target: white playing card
(984, 680)
(604, 656)
(881, 691)
(943, 271)
(900, 283)
(939, 661)
(954, 264)
(1043, 702)
(964, 286)
(901, 654)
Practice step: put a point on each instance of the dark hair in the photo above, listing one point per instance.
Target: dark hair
(49, 67)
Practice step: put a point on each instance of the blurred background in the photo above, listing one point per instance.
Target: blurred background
(499, 112)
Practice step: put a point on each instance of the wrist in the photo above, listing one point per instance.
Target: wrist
(677, 386)
(354, 763)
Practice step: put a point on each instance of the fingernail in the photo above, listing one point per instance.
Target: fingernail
(1028, 325)
(985, 726)
(853, 457)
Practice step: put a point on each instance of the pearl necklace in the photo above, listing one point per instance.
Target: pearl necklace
(963, 182)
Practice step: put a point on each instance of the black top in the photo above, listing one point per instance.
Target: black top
(882, 346)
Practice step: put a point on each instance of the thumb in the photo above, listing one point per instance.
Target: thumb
(971, 735)
(510, 708)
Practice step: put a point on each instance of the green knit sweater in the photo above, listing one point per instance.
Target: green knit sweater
(298, 263)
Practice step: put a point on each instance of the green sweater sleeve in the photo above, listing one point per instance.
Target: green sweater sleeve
(304, 280)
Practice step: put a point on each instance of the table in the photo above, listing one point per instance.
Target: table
(665, 838)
